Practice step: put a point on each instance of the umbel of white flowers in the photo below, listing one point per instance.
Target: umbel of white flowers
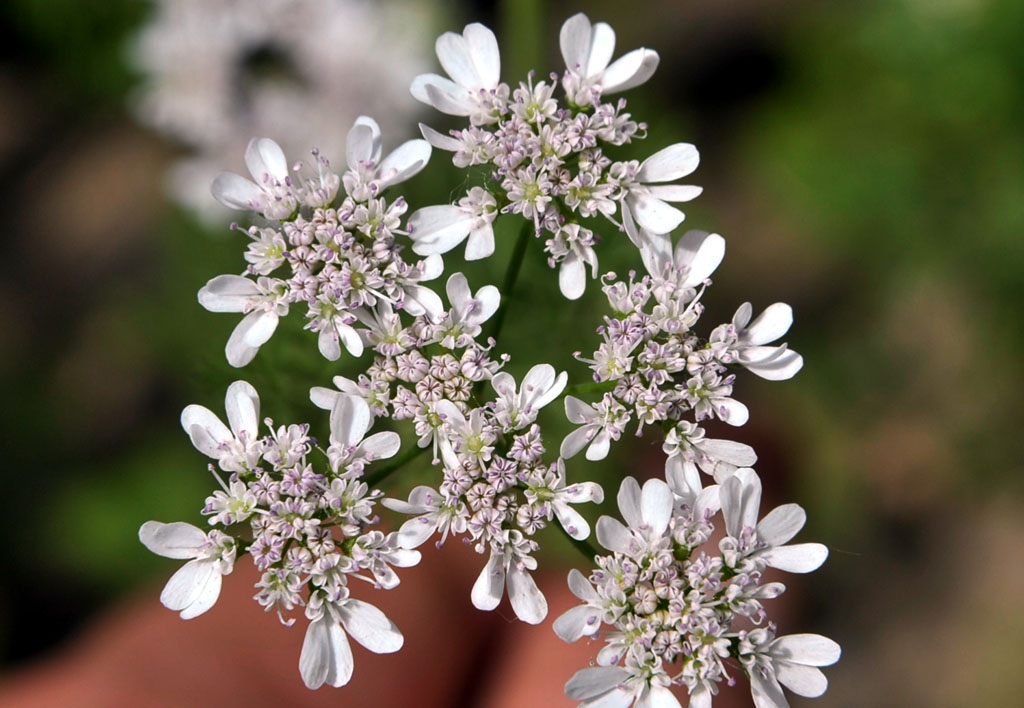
(674, 610)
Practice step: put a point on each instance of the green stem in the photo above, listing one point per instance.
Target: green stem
(408, 455)
(511, 275)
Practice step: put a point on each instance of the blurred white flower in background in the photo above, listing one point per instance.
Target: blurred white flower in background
(215, 73)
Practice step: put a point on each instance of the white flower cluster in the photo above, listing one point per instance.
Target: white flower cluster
(547, 161)
(306, 530)
(680, 606)
(218, 71)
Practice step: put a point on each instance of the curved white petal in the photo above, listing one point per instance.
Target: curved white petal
(702, 252)
(370, 627)
(175, 540)
(243, 408)
(490, 585)
(732, 411)
(781, 524)
(483, 51)
(381, 445)
(326, 655)
(589, 683)
(235, 191)
(572, 521)
(802, 680)
(670, 163)
(653, 214)
(438, 229)
(770, 325)
(432, 88)
(656, 502)
(578, 412)
(601, 49)
(193, 589)
(798, 558)
(575, 623)
(227, 293)
(526, 598)
(205, 429)
(253, 331)
(575, 441)
(807, 649)
(481, 241)
(630, 70)
(629, 501)
(264, 158)
(439, 140)
(406, 160)
(572, 276)
(598, 449)
(574, 41)
(350, 419)
(614, 536)
(414, 532)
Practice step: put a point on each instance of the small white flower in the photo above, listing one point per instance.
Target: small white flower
(473, 62)
(368, 174)
(326, 655)
(775, 363)
(468, 312)
(195, 587)
(507, 568)
(516, 408)
(434, 512)
(688, 450)
(646, 199)
(596, 433)
(695, 257)
(264, 303)
(764, 541)
(237, 449)
(587, 50)
(439, 229)
(271, 195)
(350, 420)
(647, 512)
(791, 660)
(621, 687)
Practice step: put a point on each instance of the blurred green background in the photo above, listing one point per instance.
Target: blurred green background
(865, 162)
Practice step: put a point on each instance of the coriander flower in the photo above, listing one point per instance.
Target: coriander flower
(516, 408)
(196, 586)
(763, 541)
(791, 660)
(474, 65)
(237, 449)
(587, 50)
(368, 175)
(350, 420)
(271, 195)
(744, 341)
(439, 229)
(326, 655)
(264, 302)
(646, 199)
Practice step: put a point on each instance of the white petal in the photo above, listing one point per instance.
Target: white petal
(575, 441)
(732, 411)
(629, 501)
(602, 47)
(572, 521)
(581, 587)
(227, 293)
(629, 70)
(575, 623)
(598, 449)
(481, 241)
(438, 229)
(741, 496)
(766, 692)
(669, 163)
(490, 585)
(781, 524)
(702, 252)
(454, 54)
(656, 502)
(527, 600)
(175, 540)
(422, 300)
(370, 627)
(235, 191)
(660, 697)
(798, 558)
(439, 140)
(414, 532)
(264, 157)
(199, 419)
(243, 407)
(572, 276)
(193, 589)
(675, 192)
(614, 536)
(592, 682)
(734, 453)
(443, 94)
(350, 338)
(770, 325)
(807, 649)
(382, 445)
(254, 330)
(578, 412)
(802, 680)
(653, 214)
(350, 419)
(483, 50)
(326, 655)
(550, 392)
(359, 146)
(778, 368)
(574, 41)
(584, 492)
(328, 343)
(406, 160)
